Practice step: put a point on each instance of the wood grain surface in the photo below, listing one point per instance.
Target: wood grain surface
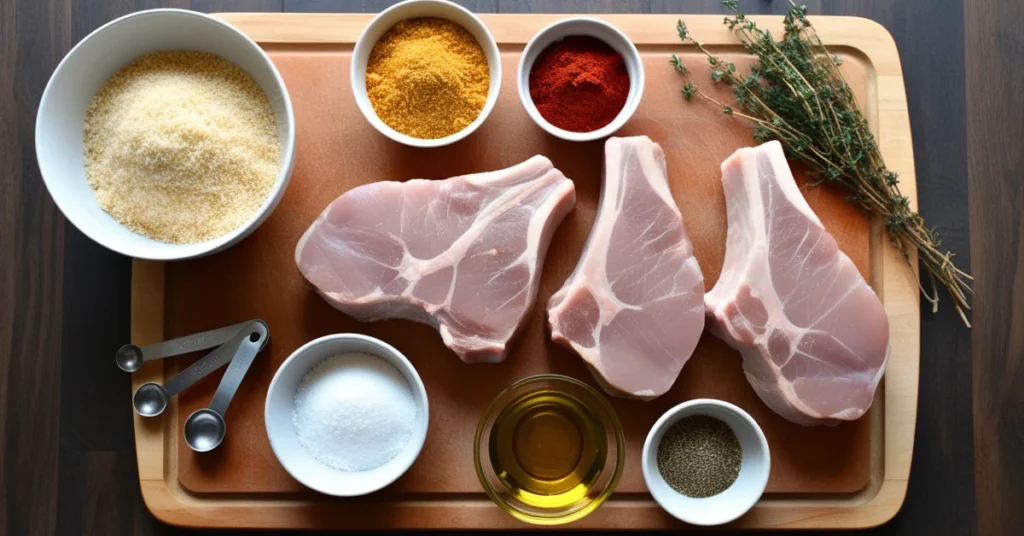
(997, 252)
(67, 461)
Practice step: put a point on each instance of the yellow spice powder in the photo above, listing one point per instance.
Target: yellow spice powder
(427, 78)
(181, 146)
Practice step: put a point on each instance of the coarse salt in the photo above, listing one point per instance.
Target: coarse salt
(354, 412)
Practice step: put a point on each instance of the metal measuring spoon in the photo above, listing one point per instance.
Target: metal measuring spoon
(151, 398)
(130, 357)
(205, 428)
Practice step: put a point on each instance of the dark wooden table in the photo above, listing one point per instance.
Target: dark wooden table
(67, 458)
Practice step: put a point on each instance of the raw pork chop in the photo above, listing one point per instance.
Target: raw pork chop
(634, 307)
(813, 335)
(462, 254)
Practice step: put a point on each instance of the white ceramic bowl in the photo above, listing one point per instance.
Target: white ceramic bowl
(411, 9)
(593, 28)
(284, 441)
(731, 503)
(61, 119)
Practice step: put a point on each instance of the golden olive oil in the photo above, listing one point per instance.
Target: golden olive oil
(548, 448)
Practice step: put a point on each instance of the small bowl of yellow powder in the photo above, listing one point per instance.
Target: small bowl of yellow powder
(166, 134)
(426, 73)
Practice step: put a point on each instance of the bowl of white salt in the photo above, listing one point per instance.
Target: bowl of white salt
(346, 414)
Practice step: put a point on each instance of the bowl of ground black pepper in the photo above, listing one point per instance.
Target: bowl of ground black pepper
(706, 462)
(426, 73)
(580, 79)
(166, 134)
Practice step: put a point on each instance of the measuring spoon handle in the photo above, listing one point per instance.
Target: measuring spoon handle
(243, 358)
(192, 343)
(202, 368)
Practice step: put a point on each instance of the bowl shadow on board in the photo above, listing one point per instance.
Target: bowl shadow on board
(436, 163)
(579, 161)
(558, 150)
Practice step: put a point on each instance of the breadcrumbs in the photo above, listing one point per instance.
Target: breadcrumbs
(427, 78)
(181, 146)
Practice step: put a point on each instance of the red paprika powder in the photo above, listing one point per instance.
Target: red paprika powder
(579, 84)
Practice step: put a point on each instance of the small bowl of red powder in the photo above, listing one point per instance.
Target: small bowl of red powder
(581, 79)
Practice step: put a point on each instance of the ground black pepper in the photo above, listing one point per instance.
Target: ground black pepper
(699, 456)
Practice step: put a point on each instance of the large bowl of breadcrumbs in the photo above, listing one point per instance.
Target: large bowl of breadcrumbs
(166, 135)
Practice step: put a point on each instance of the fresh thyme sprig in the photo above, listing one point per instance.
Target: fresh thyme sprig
(795, 93)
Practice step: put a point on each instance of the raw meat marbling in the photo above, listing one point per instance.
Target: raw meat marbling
(634, 307)
(813, 335)
(463, 254)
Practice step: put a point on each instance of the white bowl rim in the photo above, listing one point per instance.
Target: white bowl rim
(695, 405)
(215, 244)
(357, 85)
(523, 83)
(418, 387)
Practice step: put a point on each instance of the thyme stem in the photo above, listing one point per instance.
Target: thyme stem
(796, 93)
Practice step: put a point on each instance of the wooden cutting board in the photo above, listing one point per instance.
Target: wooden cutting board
(844, 476)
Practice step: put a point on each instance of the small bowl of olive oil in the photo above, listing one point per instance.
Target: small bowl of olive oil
(549, 450)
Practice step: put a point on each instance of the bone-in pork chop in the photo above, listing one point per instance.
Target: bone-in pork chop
(634, 307)
(463, 254)
(813, 335)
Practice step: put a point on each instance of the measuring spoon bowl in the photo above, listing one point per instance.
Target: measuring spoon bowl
(150, 400)
(129, 358)
(204, 430)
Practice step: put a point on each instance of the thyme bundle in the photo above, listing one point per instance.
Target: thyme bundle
(796, 94)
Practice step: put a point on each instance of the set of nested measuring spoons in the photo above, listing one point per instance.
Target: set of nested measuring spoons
(237, 344)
